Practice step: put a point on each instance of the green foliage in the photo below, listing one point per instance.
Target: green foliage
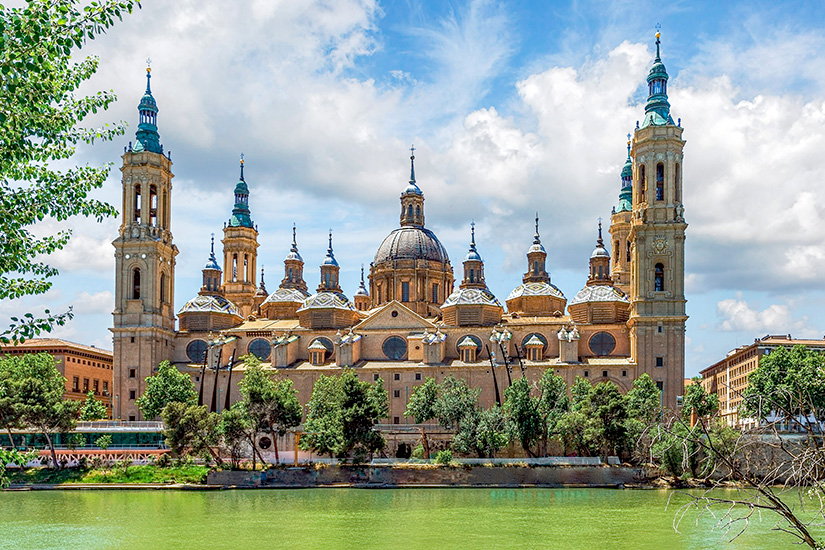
(444, 457)
(92, 409)
(187, 473)
(76, 440)
(421, 405)
(37, 389)
(235, 429)
(455, 400)
(40, 127)
(521, 411)
(418, 452)
(169, 385)
(553, 401)
(697, 398)
(644, 400)
(191, 430)
(788, 381)
(104, 441)
(609, 415)
(272, 405)
(341, 416)
(13, 456)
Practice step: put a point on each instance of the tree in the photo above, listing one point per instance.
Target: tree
(455, 400)
(272, 405)
(553, 404)
(39, 396)
(481, 431)
(9, 410)
(92, 409)
(421, 407)
(698, 400)
(573, 426)
(644, 400)
(169, 385)
(608, 415)
(235, 428)
(341, 416)
(521, 411)
(190, 429)
(40, 126)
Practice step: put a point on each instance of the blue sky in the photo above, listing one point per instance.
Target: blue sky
(513, 107)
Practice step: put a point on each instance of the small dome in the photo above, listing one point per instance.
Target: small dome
(286, 295)
(329, 259)
(148, 103)
(600, 293)
(327, 300)
(535, 289)
(362, 291)
(209, 304)
(473, 255)
(536, 247)
(411, 243)
(600, 252)
(241, 188)
(471, 296)
(412, 189)
(294, 256)
(627, 169)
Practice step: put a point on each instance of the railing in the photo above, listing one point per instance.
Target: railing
(120, 425)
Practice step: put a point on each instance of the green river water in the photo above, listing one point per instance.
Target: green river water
(477, 519)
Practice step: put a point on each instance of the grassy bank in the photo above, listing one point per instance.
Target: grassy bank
(131, 474)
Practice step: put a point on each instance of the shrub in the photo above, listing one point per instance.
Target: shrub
(418, 451)
(104, 441)
(444, 457)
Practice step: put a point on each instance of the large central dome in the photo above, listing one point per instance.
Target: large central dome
(411, 265)
(411, 243)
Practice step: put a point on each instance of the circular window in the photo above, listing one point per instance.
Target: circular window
(196, 351)
(264, 443)
(395, 347)
(259, 347)
(395, 313)
(602, 343)
(475, 339)
(537, 335)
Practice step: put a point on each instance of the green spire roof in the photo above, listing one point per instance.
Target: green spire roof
(147, 133)
(657, 108)
(626, 194)
(240, 214)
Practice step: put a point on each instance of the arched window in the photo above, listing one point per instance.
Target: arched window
(616, 250)
(660, 182)
(289, 277)
(677, 184)
(326, 279)
(137, 203)
(472, 275)
(601, 273)
(234, 267)
(163, 288)
(417, 211)
(659, 278)
(536, 267)
(136, 284)
(435, 293)
(409, 211)
(642, 184)
(628, 250)
(246, 276)
(153, 206)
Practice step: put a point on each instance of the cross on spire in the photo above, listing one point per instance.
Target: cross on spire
(242, 167)
(412, 163)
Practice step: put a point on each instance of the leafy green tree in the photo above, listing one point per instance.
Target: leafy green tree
(13, 456)
(235, 429)
(104, 441)
(481, 432)
(553, 404)
(341, 416)
(790, 382)
(644, 400)
(169, 385)
(696, 398)
(580, 392)
(421, 407)
(607, 429)
(272, 405)
(41, 118)
(455, 400)
(324, 426)
(9, 411)
(523, 419)
(39, 396)
(92, 409)
(76, 440)
(190, 429)
(573, 426)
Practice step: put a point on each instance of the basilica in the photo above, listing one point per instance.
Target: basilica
(409, 319)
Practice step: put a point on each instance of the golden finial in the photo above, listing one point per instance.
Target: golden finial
(148, 64)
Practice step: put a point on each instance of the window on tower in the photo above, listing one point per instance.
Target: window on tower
(660, 182)
(676, 185)
(136, 284)
(137, 203)
(409, 211)
(163, 288)
(435, 293)
(153, 206)
(472, 275)
(405, 292)
(628, 250)
(417, 211)
(234, 268)
(659, 278)
(642, 184)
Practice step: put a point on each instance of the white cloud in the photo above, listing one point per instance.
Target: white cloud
(97, 302)
(736, 314)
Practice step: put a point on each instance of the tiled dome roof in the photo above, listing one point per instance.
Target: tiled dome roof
(411, 243)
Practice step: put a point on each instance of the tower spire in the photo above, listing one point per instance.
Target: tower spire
(241, 216)
(147, 137)
(536, 238)
(657, 108)
(600, 242)
(412, 164)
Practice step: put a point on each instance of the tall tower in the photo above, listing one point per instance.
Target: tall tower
(620, 227)
(240, 251)
(657, 235)
(144, 320)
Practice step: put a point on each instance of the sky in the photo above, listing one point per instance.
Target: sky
(513, 107)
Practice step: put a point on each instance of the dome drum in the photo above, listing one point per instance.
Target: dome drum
(536, 298)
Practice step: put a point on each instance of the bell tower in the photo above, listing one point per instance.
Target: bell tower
(144, 321)
(240, 251)
(657, 236)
